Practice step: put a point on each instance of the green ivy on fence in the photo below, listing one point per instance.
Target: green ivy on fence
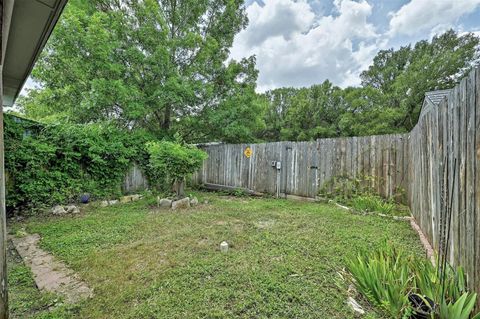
(54, 164)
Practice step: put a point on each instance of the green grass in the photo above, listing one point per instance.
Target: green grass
(144, 263)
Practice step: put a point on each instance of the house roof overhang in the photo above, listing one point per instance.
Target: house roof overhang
(27, 25)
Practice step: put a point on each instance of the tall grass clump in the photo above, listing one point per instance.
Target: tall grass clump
(372, 203)
(359, 194)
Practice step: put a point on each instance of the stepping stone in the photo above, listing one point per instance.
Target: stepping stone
(50, 274)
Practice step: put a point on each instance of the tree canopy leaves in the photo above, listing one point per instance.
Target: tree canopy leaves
(163, 66)
(147, 64)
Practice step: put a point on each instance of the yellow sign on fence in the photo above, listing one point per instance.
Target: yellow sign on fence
(248, 152)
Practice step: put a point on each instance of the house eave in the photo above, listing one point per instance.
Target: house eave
(31, 24)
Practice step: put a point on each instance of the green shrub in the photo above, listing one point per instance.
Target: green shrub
(360, 195)
(429, 282)
(59, 162)
(175, 161)
(343, 188)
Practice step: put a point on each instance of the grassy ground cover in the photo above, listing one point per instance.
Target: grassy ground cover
(148, 263)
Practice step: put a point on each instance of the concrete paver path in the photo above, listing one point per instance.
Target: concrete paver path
(50, 274)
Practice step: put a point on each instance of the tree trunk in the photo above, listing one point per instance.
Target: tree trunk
(167, 118)
(179, 188)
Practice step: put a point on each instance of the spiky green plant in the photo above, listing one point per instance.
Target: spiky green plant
(428, 281)
(386, 276)
(383, 276)
(459, 309)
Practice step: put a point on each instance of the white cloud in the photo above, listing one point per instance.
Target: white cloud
(278, 18)
(421, 15)
(295, 47)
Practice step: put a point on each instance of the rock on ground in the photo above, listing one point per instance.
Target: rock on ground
(130, 198)
(63, 210)
(72, 209)
(194, 201)
(106, 203)
(181, 203)
(355, 306)
(58, 210)
(164, 202)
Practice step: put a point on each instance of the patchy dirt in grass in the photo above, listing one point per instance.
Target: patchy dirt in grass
(265, 224)
(50, 274)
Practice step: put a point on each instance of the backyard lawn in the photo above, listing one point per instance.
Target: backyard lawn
(142, 262)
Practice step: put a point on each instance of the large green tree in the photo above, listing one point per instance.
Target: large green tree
(404, 75)
(277, 105)
(314, 113)
(147, 63)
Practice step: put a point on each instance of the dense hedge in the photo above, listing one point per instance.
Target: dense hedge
(52, 164)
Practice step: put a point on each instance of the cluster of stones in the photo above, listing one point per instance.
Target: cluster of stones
(177, 204)
(124, 199)
(72, 209)
(65, 210)
(130, 198)
(106, 203)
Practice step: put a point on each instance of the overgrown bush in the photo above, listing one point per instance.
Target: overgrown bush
(56, 163)
(174, 161)
(388, 276)
(343, 188)
(360, 194)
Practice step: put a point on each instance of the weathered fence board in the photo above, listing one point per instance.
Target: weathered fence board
(444, 157)
(134, 181)
(476, 207)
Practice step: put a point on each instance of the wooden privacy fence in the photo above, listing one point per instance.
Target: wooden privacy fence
(135, 180)
(306, 167)
(444, 165)
(437, 161)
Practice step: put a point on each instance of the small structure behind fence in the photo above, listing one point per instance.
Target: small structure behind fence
(437, 161)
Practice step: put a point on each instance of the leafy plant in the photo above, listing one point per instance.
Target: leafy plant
(372, 203)
(428, 281)
(343, 188)
(175, 160)
(387, 276)
(56, 163)
(383, 277)
(239, 192)
(459, 309)
(360, 194)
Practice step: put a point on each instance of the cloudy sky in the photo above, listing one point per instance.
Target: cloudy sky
(303, 42)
